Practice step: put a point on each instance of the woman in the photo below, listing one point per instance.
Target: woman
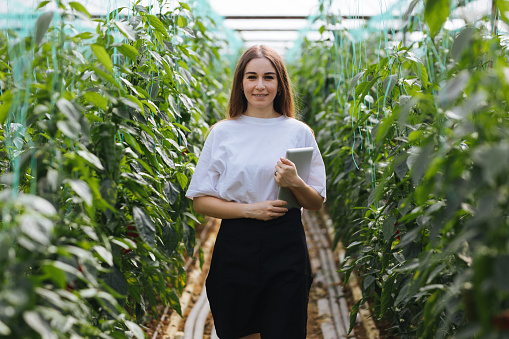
(260, 275)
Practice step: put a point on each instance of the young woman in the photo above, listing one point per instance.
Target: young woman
(260, 275)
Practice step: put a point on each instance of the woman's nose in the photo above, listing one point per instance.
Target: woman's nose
(260, 84)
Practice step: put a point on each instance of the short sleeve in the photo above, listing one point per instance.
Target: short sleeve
(317, 177)
(206, 174)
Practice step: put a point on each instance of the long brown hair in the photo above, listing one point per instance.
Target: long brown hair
(283, 103)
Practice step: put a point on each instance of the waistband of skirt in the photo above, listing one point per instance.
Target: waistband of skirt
(293, 215)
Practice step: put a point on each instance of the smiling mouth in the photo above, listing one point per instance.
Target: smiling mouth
(260, 95)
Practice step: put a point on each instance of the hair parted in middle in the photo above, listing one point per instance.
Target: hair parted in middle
(283, 103)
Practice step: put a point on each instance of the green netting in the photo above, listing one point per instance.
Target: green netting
(20, 19)
(399, 23)
(403, 107)
(101, 121)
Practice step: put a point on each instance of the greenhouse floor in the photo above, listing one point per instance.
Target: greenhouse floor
(329, 305)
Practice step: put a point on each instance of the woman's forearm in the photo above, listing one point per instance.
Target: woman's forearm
(218, 208)
(286, 176)
(307, 196)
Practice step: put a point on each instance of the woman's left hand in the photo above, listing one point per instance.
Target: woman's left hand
(286, 174)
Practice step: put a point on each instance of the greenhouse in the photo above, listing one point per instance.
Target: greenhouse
(105, 107)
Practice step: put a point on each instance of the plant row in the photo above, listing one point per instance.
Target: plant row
(416, 142)
(100, 131)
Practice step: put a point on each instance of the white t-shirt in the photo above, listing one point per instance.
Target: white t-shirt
(239, 157)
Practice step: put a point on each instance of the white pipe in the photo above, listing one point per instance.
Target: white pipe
(339, 291)
(191, 318)
(332, 279)
(214, 334)
(199, 327)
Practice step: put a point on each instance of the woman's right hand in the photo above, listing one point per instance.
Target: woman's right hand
(266, 210)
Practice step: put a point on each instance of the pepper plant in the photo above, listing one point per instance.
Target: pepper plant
(99, 133)
(415, 139)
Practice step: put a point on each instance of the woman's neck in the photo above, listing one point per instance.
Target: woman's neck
(262, 113)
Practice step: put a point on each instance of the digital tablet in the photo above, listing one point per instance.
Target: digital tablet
(301, 157)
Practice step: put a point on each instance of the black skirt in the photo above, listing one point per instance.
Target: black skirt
(260, 277)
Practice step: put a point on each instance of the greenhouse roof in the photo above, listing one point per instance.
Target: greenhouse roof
(281, 24)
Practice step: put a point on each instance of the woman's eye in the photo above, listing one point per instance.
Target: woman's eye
(251, 77)
(269, 77)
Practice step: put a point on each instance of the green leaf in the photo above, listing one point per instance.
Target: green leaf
(436, 13)
(96, 99)
(104, 254)
(189, 238)
(68, 109)
(116, 280)
(322, 29)
(42, 4)
(493, 160)
(383, 127)
(388, 227)
(82, 189)
(386, 298)
(56, 275)
(106, 76)
(185, 6)
(175, 302)
(181, 127)
(70, 128)
(353, 315)
(170, 239)
(171, 191)
(144, 225)
(462, 42)
(414, 135)
(133, 143)
(38, 324)
(181, 21)
(42, 26)
(126, 30)
(4, 329)
(389, 83)
(501, 276)
(422, 73)
(356, 78)
(129, 51)
(453, 88)
(91, 158)
(157, 24)
(103, 56)
(182, 179)
(503, 9)
(6, 99)
(37, 203)
(136, 101)
(133, 327)
(79, 8)
(421, 160)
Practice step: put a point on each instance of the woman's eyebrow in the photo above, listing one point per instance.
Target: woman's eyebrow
(264, 73)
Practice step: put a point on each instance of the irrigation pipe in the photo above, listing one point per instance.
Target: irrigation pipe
(206, 241)
(368, 323)
(337, 328)
(199, 327)
(191, 321)
(214, 334)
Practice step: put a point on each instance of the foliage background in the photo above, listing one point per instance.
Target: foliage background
(415, 135)
(100, 132)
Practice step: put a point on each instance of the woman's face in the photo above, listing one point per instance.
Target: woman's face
(260, 83)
